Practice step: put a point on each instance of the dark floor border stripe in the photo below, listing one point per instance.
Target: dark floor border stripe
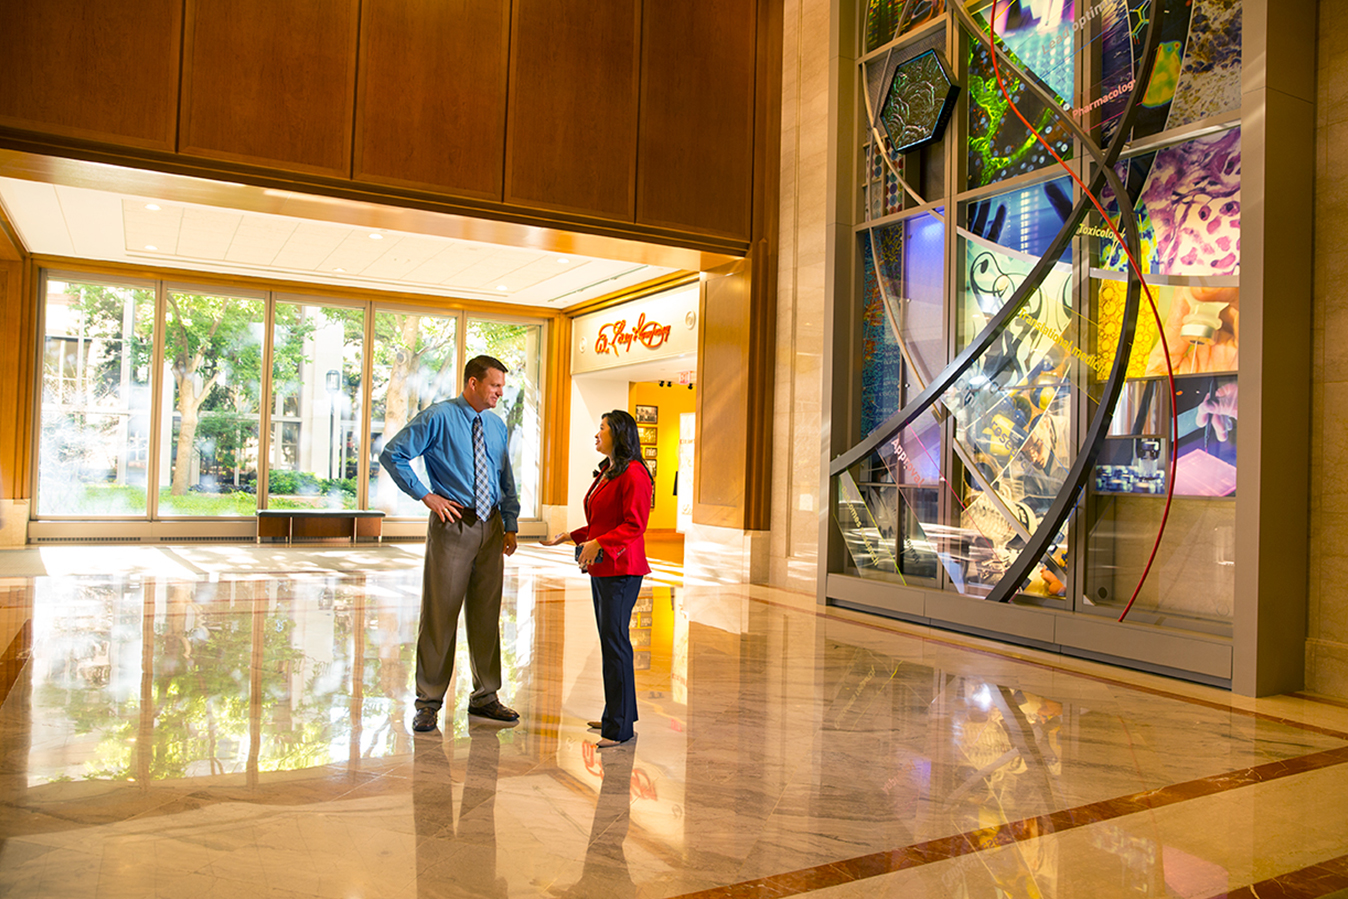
(830, 613)
(1311, 882)
(805, 880)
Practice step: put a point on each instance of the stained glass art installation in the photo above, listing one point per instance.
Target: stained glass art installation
(919, 101)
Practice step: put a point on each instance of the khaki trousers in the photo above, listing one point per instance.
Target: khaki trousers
(465, 566)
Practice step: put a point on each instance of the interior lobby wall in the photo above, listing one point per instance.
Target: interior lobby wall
(1327, 619)
(803, 197)
(517, 108)
(591, 397)
(670, 402)
(16, 364)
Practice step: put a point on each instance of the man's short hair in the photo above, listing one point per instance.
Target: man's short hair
(478, 366)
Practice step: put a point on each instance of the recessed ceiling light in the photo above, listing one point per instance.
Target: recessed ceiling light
(376, 237)
(562, 260)
(339, 270)
(153, 207)
(501, 287)
(150, 246)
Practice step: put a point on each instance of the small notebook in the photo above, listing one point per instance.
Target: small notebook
(598, 558)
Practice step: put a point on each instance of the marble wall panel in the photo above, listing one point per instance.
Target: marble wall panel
(802, 246)
(1327, 620)
(13, 522)
(1327, 667)
(716, 555)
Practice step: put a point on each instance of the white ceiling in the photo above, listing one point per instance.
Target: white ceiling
(84, 222)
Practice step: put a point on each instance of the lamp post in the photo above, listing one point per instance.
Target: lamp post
(334, 385)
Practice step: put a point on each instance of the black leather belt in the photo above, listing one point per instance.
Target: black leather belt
(470, 516)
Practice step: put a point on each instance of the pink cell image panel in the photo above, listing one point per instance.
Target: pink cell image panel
(1202, 474)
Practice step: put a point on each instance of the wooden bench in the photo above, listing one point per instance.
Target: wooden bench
(292, 523)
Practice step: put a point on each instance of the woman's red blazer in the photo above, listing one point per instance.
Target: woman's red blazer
(616, 513)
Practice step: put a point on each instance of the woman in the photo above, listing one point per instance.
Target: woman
(612, 549)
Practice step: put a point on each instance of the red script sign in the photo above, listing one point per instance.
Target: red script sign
(615, 335)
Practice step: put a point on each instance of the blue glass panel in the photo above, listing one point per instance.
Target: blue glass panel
(1024, 220)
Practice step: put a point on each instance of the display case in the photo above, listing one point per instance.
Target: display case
(1043, 430)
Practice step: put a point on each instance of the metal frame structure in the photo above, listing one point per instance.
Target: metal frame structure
(1260, 650)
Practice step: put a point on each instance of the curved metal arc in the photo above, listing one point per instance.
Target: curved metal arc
(915, 373)
(877, 140)
(942, 382)
(1052, 521)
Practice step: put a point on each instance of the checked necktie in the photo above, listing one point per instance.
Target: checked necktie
(481, 485)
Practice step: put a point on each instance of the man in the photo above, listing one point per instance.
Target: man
(472, 526)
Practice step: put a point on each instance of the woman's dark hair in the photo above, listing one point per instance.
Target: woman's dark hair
(626, 444)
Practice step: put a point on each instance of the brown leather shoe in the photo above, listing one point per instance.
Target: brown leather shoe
(494, 710)
(424, 720)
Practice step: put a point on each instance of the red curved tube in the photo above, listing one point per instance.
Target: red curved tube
(1137, 270)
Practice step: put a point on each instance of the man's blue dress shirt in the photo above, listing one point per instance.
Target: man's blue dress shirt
(443, 436)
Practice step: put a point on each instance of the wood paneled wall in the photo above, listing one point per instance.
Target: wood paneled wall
(722, 398)
(573, 106)
(733, 477)
(17, 372)
(431, 102)
(697, 115)
(270, 82)
(105, 70)
(627, 115)
(737, 342)
(641, 118)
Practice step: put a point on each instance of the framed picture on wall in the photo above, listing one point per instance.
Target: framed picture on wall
(647, 415)
(648, 453)
(646, 435)
(650, 465)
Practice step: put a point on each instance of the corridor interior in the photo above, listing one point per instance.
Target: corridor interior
(222, 721)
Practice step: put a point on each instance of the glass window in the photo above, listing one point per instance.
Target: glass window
(316, 407)
(212, 388)
(1000, 145)
(101, 427)
(908, 101)
(95, 399)
(886, 18)
(415, 364)
(519, 346)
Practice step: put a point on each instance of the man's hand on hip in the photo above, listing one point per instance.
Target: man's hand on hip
(445, 509)
(510, 543)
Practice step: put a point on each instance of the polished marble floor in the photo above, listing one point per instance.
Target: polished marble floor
(235, 722)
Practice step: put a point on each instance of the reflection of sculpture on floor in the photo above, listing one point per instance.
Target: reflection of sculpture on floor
(1008, 756)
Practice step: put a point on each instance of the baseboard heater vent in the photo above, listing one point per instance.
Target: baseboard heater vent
(86, 540)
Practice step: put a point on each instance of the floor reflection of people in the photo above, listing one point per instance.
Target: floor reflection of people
(451, 864)
(605, 872)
